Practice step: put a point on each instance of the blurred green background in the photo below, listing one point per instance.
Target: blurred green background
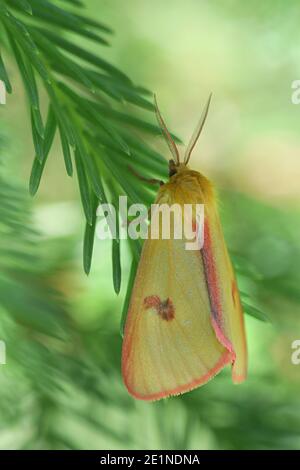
(62, 386)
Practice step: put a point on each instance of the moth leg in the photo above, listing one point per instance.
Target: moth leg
(143, 178)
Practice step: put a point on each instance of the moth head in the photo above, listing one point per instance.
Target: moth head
(175, 163)
(172, 168)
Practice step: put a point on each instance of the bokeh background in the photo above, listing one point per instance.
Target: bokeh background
(62, 386)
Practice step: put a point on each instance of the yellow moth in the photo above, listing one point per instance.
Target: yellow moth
(185, 320)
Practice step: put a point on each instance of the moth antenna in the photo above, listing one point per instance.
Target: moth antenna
(197, 132)
(166, 134)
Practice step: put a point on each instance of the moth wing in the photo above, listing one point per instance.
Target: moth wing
(227, 313)
(172, 349)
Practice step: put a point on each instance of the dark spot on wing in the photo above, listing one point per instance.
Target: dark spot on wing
(164, 308)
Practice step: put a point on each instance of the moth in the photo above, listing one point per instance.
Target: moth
(185, 320)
